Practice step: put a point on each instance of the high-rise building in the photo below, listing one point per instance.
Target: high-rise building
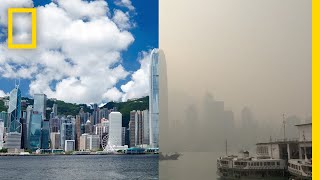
(88, 127)
(146, 128)
(154, 99)
(29, 113)
(1, 133)
(13, 140)
(67, 131)
(40, 104)
(78, 131)
(132, 129)
(93, 141)
(124, 131)
(35, 131)
(55, 140)
(115, 128)
(83, 142)
(55, 110)
(14, 110)
(54, 124)
(4, 117)
(45, 135)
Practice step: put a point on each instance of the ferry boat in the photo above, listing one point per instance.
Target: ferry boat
(235, 167)
(301, 169)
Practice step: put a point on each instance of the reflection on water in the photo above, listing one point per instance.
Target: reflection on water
(191, 165)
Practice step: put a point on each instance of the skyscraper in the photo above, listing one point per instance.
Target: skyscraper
(35, 131)
(146, 130)
(4, 117)
(67, 131)
(115, 129)
(154, 99)
(45, 134)
(40, 104)
(1, 133)
(14, 110)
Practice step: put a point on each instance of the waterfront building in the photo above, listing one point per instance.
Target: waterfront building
(132, 129)
(40, 104)
(115, 128)
(34, 131)
(55, 140)
(305, 140)
(139, 128)
(1, 133)
(13, 141)
(45, 134)
(102, 128)
(14, 110)
(67, 131)
(69, 145)
(154, 99)
(24, 133)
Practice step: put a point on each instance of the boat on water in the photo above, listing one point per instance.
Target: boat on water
(245, 167)
(300, 169)
(169, 156)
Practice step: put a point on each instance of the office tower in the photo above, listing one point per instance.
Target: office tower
(67, 131)
(93, 141)
(55, 110)
(45, 134)
(55, 140)
(40, 104)
(146, 130)
(13, 140)
(124, 131)
(35, 131)
(29, 112)
(54, 124)
(24, 133)
(14, 110)
(83, 142)
(88, 127)
(154, 99)
(102, 128)
(1, 133)
(132, 129)
(115, 128)
(78, 131)
(4, 117)
(69, 145)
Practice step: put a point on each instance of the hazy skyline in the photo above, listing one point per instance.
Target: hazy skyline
(245, 53)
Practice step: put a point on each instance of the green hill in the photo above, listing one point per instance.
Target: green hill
(65, 108)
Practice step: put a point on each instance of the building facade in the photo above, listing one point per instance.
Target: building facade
(115, 129)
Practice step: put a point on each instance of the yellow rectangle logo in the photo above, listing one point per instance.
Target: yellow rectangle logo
(33, 44)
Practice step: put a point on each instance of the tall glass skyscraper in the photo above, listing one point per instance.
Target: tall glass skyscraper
(14, 110)
(35, 131)
(154, 99)
(40, 104)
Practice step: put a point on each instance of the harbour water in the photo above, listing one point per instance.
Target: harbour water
(93, 167)
(193, 165)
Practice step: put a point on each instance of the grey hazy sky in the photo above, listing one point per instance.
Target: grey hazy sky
(254, 53)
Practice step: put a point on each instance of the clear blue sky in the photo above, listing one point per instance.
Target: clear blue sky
(145, 34)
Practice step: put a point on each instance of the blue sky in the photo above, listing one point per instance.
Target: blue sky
(145, 34)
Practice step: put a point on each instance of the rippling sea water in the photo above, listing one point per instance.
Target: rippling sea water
(110, 167)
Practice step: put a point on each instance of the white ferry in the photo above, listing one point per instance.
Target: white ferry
(235, 167)
(301, 169)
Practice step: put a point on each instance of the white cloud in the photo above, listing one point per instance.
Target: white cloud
(125, 3)
(122, 19)
(5, 4)
(82, 58)
(113, 94)
(139, 84)
(3, 94)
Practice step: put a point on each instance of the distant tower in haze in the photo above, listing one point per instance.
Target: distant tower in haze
(14, 110)
(154, 99)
